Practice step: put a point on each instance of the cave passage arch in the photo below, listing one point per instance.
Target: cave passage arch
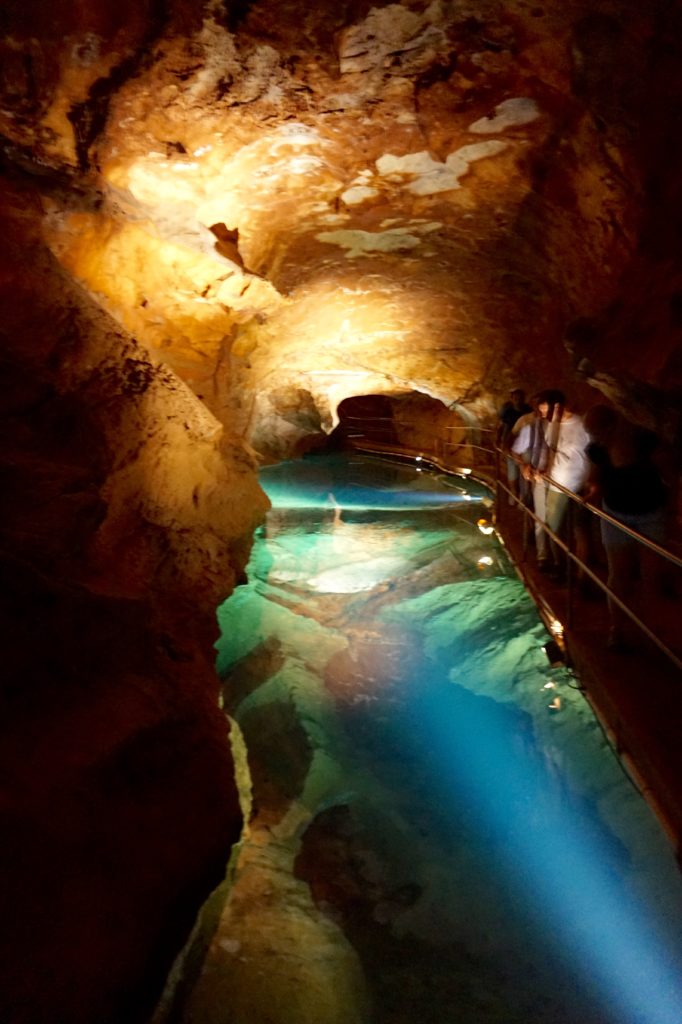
(410, 421)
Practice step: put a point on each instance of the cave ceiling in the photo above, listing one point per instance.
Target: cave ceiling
(291, 204)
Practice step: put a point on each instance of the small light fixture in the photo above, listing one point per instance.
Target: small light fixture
(484, 526)
(418, 458)
(551, 685)
(484, 560)
(556, 628)
(555, 704)
(465, 472)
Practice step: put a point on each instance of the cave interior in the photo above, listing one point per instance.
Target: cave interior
(232, 230)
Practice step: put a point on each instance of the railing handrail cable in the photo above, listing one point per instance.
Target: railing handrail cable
(596, 579)
(594, 509)
(663, 552)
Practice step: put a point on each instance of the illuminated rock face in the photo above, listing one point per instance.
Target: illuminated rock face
(273, 207)
(343, 201)
(125, 520)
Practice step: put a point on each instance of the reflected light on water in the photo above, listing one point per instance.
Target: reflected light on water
(361, 500)
(555, 861)
(563, 869)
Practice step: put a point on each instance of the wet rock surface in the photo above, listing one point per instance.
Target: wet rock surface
(411, 867)
(121, 529)
(220, 221)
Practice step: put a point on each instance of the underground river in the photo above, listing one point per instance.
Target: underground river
(439, 830)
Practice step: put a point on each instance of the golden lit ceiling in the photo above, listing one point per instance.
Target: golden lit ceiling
(309, 202)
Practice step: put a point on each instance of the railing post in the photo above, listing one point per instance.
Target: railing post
(570, 538)
(526, 527)
(498, 503)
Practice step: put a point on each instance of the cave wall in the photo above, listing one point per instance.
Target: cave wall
(448, 197)
(413, 422)
(126, 518)
(273, 208)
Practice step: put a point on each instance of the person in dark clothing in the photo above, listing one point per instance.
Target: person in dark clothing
(632, 491)
(510, 412)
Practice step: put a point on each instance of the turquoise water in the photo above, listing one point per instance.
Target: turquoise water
(464, 821)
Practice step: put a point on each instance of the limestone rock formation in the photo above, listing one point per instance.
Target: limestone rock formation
(422, 193)
(222, 220)
(126, 518)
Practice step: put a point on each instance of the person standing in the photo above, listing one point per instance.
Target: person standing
(508, 415)
(565, 466)
(632, 491)
(527, 443)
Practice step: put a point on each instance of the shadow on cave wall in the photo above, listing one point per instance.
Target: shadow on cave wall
(412, 421)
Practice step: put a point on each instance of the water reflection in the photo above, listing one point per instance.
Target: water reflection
(475, 831)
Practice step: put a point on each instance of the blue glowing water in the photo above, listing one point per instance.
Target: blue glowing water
(326, 483)
(495, 827)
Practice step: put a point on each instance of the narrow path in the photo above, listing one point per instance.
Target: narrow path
(637, 693)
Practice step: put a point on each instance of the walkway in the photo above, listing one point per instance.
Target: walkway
(637, 695)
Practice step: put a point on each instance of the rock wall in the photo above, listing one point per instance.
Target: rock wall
(126, 518)
(287, 205)
(355, 199)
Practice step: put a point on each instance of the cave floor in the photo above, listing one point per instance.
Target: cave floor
(440, 830)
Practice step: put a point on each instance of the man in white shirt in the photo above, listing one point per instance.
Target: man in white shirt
(529, 447)
(566, 464)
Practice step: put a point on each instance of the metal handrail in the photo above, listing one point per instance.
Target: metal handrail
(573, 558)
(496, 452)
(392, 419)
(505, 453)
(597, 579)
(663, 552)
